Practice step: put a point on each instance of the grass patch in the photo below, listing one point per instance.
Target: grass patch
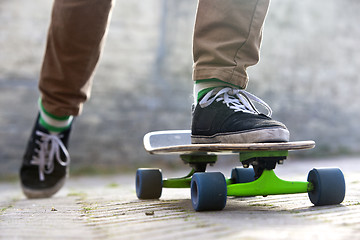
(112, 185)
(100, 170)
(2, 210)
(80, 195)
(88, 207)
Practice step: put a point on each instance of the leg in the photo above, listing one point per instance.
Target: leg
(74, 44)
(227, 40)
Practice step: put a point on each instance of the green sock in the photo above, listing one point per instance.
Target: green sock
(53, 123)
(202, 87)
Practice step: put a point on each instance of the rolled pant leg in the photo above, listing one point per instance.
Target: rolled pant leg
(227, 38)
(74, 43)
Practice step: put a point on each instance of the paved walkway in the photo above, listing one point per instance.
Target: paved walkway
(107, 208)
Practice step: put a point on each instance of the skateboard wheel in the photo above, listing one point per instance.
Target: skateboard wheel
(329, 186)
(148, 183)
(242, 175)
(208, 191)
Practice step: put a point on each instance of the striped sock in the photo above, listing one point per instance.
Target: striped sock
(53, 123)
(204, 86)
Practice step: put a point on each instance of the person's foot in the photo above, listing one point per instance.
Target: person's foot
(45, 162)
(227, 115)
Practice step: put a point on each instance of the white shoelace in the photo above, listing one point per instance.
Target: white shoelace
(236, 99)
(49, 150)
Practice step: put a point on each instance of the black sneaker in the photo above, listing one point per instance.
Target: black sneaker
(227, 115)
(45, 162)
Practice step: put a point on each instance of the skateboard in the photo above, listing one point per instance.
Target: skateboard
(256, 177)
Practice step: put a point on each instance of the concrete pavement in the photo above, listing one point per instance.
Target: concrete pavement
(106, 207)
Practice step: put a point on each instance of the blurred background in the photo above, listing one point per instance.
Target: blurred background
(308, 73)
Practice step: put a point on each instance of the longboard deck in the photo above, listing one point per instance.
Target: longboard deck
(179, 142)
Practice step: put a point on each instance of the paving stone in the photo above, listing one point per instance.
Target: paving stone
(106, 207)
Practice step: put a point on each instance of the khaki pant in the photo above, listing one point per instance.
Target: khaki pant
(227, 38)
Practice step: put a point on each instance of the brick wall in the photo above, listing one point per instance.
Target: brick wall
(308, 73)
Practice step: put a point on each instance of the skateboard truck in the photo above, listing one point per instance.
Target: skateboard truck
(259, 160)
(198, 162)
(262, 160)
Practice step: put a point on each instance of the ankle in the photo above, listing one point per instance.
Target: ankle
(53, 123)
(202, 87)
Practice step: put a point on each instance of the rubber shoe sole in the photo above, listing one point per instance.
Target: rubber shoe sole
(256, 136)
(43, 193)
